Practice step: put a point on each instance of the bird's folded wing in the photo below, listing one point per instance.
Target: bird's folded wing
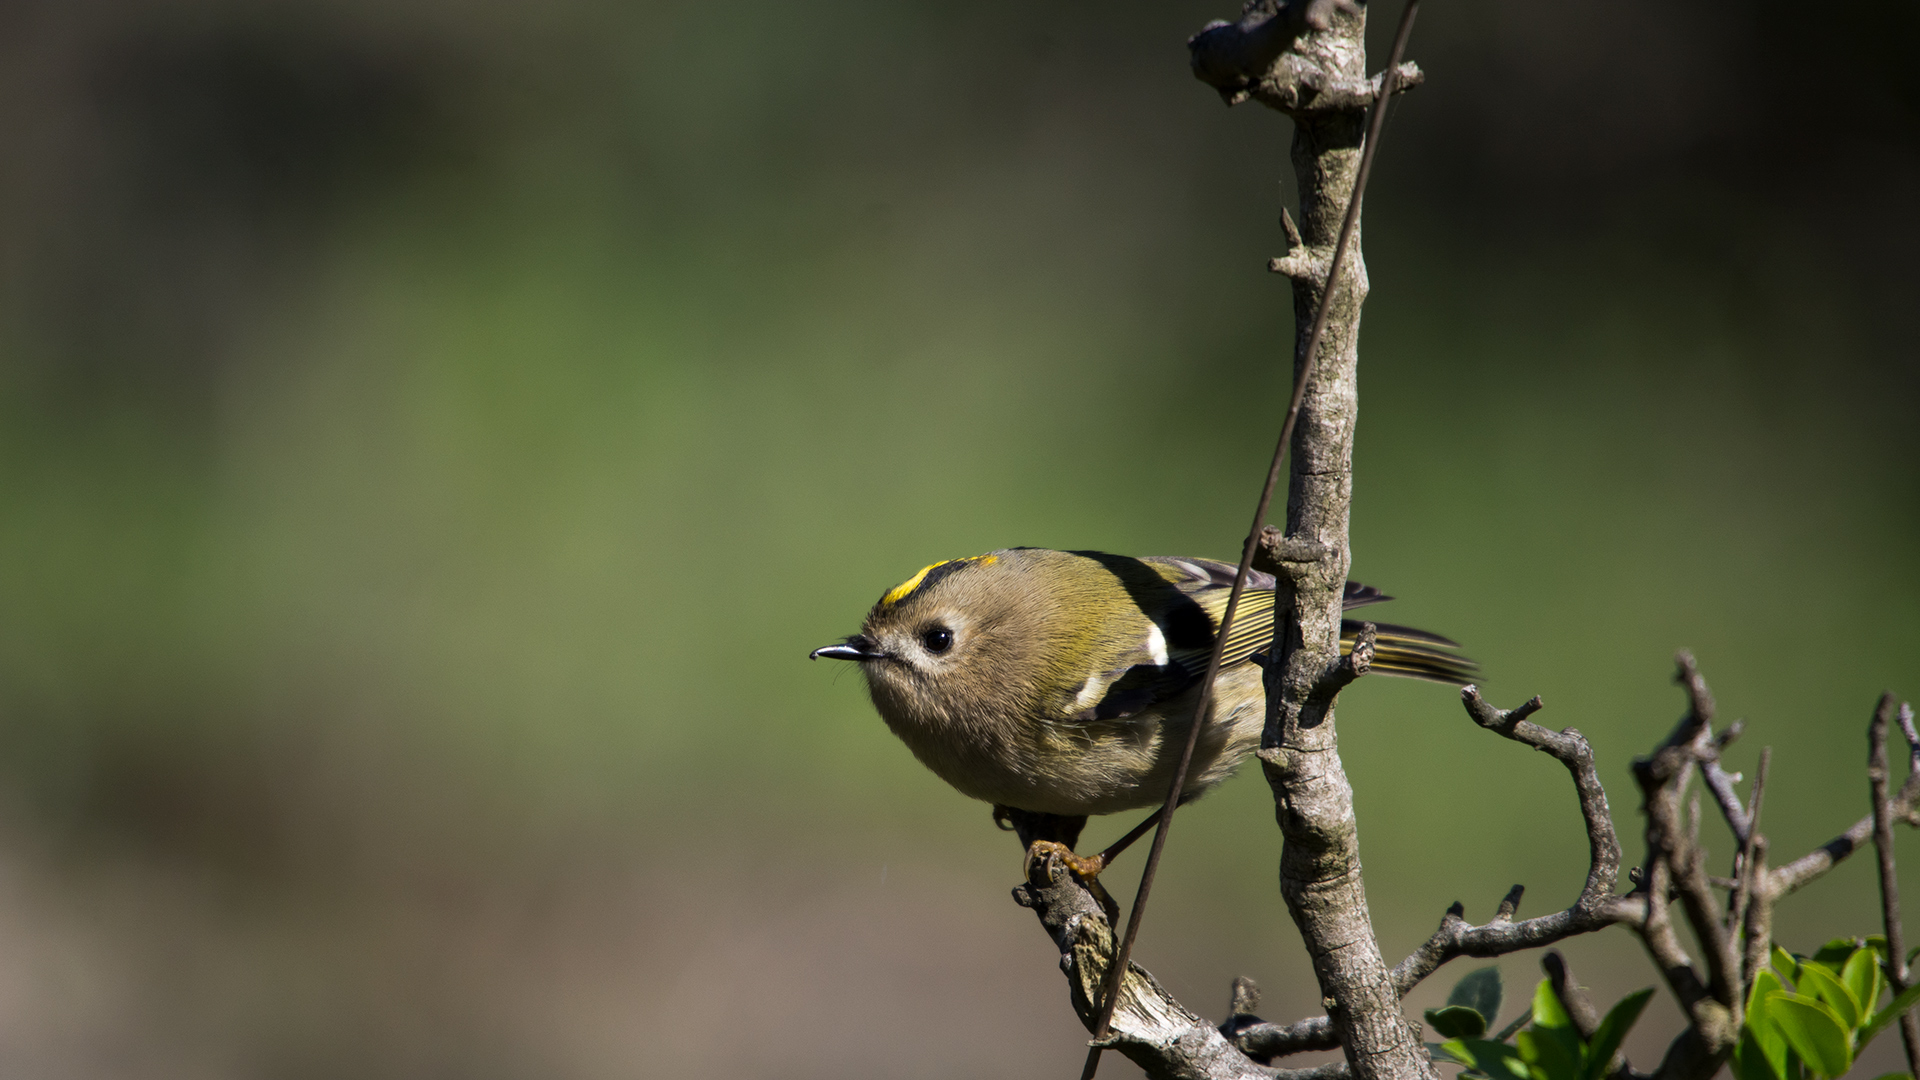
(1162, 669)
(1398, 650)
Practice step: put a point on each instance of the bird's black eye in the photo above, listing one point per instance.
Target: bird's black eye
(937, 639)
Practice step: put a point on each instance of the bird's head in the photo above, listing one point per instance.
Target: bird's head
(969, 642)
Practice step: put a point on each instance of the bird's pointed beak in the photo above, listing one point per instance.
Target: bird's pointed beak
(858, 647)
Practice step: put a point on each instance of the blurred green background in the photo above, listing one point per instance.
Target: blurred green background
(432, 436)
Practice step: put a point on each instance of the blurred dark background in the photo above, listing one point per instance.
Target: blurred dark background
(432, 436)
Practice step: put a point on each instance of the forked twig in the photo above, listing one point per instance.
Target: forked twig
(1595, 907)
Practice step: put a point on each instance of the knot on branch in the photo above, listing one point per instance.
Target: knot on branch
(1274, 552)
(1302, 264)
(1254, 57)
(1245, 998)
(1360, 660)
(1232, 57)
(1351, 666)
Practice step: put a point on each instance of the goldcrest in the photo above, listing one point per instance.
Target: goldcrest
(1063, 682)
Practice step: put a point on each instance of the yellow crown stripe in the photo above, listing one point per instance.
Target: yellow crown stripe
(899, 592)
(905, 589)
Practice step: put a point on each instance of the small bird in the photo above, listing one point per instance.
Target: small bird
(1062, 683)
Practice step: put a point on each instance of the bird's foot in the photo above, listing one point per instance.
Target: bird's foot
(1084, 867)
(1085, 870)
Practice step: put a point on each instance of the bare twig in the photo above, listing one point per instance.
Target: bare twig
(1700, 705)
(1245, 999)
(1913, 737)
(1720, 782)
(1595, 907)
(1743, 864)
(1263, 1041)
(1889, 881)
(1759, 916)
(1586, 1018)
(1809, 867)
(1678, 867)
(1736, 943)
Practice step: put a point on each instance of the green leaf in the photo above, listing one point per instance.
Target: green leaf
(1814, 1032)
(1750, 1061)
(1443, 1056)
(1772, 1044)
(1552, 1053)
(1553, 1048)
(1861, 975)
(1480, 991)
(1547, 1011)
(1831, 969)
(1786, 965)
(1894, 1076)
(1888, 1015)
(1612, 1030)
(1498, 1060)
(1816, 979)
(1834, 953)
(1457, 1022)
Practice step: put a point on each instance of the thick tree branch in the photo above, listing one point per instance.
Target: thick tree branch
(1311, 60)
(1152, 1029)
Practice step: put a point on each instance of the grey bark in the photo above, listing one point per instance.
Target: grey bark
(1320, 873)
(1153, 1030)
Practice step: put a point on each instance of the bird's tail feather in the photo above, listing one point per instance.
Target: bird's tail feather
(1416, 654)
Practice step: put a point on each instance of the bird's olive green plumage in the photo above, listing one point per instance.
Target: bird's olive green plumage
(1062, 682)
